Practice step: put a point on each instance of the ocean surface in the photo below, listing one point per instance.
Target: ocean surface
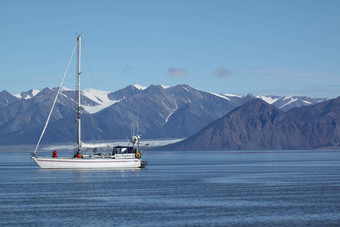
(271, 188)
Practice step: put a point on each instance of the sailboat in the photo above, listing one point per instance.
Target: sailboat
(118, 157)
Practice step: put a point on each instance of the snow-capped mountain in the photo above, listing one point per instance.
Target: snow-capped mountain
(158, 111)
(100, 98)
(286, 103)
(27, 94)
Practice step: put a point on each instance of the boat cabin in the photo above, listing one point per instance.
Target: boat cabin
(123, 150)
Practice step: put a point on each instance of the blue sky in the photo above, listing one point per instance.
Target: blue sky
(281, 47)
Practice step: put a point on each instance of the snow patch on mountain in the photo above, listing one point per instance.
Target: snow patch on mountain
(171, 112)
(186, 89)
(139, 87)
(66, 89)
(267, 99)
(221, 96)
(100, 97)
(35, 92)
(287, 97)
(28, 95)
(291, 100)
(232, 95)
(165, 87)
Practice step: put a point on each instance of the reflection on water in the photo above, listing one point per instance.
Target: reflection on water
(295, 188)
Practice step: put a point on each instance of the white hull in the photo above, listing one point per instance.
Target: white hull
(88, 163)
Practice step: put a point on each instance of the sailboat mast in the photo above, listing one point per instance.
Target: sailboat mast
(78, 89)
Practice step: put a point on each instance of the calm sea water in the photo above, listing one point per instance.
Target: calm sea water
(285, 188)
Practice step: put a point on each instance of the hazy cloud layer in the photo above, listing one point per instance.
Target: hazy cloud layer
(177, 72)
(222, 72)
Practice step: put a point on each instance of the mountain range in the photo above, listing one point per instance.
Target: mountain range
(258, 125)
(156, 111)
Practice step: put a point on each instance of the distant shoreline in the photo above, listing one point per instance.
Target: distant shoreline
(31, 147)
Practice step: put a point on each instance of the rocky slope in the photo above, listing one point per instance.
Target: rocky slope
(260, 126)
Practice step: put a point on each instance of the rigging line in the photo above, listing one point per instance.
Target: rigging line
(55, 100)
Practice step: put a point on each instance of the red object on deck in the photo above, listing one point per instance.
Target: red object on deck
(54, 154)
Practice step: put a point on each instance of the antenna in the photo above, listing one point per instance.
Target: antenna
(137, 124)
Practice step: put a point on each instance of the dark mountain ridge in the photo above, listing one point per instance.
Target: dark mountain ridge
(320, 123)
(257, 125)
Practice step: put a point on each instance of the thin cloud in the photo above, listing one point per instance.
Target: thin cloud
(127, 68)
(177, 72)
(222, 72)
